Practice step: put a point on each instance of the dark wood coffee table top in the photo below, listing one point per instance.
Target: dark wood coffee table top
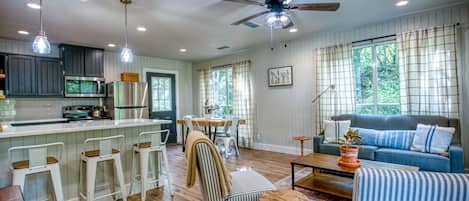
(330, 162)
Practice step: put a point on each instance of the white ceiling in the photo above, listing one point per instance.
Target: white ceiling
(200, 26)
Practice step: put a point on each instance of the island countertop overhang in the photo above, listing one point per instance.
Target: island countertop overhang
(78, 126)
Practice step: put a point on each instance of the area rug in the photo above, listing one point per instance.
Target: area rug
(285, 183)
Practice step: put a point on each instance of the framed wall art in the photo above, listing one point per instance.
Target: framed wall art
(280, 76)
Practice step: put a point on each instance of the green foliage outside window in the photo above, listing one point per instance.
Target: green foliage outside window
(377, 79)
(222, 84)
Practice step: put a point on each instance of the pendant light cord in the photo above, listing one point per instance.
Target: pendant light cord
(40, 18)
(125, 8)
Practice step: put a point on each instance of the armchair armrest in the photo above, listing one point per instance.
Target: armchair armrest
(456, 157)
(247, 196)
(317, 140)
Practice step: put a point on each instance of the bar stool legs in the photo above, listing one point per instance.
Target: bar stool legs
(144, 155)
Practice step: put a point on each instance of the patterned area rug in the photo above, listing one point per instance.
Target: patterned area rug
(285, 183)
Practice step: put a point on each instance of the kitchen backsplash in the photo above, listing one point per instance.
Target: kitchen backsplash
(47, 108)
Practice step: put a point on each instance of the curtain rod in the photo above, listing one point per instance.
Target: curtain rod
(225, 65)
(392, 35)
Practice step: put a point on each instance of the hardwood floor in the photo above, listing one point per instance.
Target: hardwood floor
(274, 166)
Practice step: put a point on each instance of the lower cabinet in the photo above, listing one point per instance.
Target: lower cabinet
(29, 76)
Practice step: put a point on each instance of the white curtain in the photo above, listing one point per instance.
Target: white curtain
(205, 92)
(428, 72)
(335, 77)
(243, 101)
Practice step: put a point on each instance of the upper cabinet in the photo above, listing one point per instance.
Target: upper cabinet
(29, 76)
(94, 62)
(82, 61)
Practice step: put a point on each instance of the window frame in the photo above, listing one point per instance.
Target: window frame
(374, 70)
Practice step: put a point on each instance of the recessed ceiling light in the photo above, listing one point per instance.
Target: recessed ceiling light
(402, 3)
(182, 50)
(34, 6)
(111, 45)
(23, 32)
(142, 29)
(293, 30)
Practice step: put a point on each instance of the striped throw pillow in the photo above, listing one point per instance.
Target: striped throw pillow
(334, 131)
(432, 139)
(396, 139)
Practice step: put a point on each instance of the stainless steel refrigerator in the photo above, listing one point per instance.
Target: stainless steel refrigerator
(127, 100)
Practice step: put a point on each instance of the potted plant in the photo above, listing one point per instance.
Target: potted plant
(349, 149)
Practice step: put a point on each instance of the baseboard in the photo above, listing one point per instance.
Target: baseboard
(280, 148)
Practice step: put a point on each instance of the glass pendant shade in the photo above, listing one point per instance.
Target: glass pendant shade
(41, 45)
(127, 55)
(277, 20)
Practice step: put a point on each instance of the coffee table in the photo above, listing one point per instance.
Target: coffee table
(329, 177)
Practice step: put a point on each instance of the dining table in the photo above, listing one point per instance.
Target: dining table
(207, 124)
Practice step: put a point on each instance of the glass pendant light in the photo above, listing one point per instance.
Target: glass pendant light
(126, 54)
(41, 45)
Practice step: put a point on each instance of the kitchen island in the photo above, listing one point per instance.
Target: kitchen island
(73, 135)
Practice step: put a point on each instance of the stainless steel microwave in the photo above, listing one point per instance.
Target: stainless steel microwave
(85, 86)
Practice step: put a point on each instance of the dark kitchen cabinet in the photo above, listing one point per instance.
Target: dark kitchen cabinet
(94, 62)
(50, 77)
(29, 76)
(21, 76)
(73, 58)
(82, 61)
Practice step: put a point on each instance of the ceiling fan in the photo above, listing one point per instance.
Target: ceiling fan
(276, 17)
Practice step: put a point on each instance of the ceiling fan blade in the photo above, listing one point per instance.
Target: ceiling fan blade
(250, 17)
(249, 2)
(315, 6)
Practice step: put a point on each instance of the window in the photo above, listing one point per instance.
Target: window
(161, 94)
(222, 84)
(377, 78)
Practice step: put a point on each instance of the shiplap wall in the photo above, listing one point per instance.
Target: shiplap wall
(29, 109)
(288, 111)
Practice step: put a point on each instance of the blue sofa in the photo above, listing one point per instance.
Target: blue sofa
(425, 161)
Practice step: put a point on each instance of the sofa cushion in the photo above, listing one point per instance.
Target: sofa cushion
(432, 139)
(425, 161)
(366, 152)
(398, 139)
(334, 130)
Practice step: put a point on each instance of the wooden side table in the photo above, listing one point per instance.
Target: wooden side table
(283, 195)
(302, 139)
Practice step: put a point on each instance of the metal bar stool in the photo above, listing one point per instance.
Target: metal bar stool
(150, 143)
(228, 137)
(92, 157)
(38, 161)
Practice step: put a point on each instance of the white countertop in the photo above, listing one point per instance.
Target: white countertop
(77, 126)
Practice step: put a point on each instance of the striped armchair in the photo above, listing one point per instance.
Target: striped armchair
(246, 185)
(397, 185)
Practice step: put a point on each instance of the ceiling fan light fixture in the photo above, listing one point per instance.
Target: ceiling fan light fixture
(277, 20)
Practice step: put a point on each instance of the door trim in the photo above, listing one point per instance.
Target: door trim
(178, 105)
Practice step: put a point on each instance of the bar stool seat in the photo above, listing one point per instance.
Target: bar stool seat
(96, 153)
(25, 164)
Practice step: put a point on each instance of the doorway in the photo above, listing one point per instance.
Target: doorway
(162, 100)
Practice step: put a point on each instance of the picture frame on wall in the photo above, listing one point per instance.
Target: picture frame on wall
(280, 76)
